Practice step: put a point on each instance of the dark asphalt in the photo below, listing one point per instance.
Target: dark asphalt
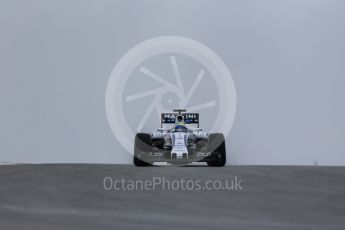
(73, 197)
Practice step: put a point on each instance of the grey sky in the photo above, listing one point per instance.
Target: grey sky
(287, 59)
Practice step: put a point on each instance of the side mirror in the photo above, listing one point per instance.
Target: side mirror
(197, 129)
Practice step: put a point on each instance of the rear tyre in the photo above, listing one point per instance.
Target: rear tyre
(217, 145)
(142, 146)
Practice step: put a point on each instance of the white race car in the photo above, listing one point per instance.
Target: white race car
(179, 141)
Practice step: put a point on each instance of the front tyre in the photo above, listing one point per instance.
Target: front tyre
(217, 145)
(142, 146)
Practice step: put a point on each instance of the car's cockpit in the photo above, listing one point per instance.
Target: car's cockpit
(180, 128)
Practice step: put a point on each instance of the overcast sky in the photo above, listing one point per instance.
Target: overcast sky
(287, 59)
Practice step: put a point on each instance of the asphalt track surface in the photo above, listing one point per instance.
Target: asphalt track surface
(74, 197)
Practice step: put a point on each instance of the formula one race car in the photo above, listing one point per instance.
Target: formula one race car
(179, 144)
